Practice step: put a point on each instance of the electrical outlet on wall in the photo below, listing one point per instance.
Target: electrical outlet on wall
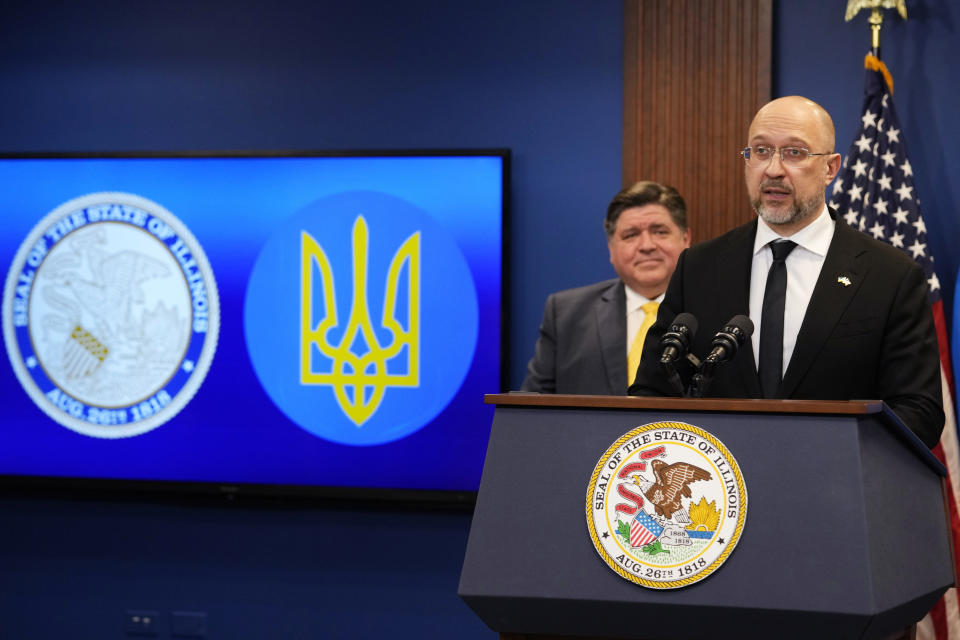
(141, 622)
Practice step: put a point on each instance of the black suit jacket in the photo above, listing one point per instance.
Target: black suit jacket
(582, 346)
(873, 338)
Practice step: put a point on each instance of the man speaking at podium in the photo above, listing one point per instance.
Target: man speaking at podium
(591, 337)
(838, 315)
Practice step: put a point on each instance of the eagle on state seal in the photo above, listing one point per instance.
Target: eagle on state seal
(671, 482)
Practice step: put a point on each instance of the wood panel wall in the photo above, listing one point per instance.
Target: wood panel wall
(695, 73)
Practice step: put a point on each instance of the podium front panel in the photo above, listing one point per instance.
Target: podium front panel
(820, 547)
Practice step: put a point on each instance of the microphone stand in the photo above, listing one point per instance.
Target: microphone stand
(674, 377)
(701, 380)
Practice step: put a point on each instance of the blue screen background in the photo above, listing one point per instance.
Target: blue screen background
(231, 432)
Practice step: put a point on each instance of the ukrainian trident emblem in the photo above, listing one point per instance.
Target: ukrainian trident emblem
(358, 369)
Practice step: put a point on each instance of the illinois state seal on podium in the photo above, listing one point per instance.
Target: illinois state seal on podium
(666, 505)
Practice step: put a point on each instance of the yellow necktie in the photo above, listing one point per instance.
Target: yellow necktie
(636, 348)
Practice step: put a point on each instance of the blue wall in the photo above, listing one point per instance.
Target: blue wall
(71, 569)
(540, 77)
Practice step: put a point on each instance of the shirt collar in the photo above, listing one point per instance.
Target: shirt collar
(635, 300)
(815, 237)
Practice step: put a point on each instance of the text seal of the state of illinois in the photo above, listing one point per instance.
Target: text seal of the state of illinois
(110, 315)
(666, 505)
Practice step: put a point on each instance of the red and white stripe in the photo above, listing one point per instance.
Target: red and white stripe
(943, 621)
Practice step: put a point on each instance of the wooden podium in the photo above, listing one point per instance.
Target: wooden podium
(845, 536)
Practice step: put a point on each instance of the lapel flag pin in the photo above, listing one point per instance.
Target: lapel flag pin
(844, 280)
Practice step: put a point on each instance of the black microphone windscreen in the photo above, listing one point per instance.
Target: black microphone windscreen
(688, 320)
(743, 323)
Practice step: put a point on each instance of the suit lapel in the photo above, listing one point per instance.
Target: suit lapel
(840, 278)
(739, 261)
(611, 315)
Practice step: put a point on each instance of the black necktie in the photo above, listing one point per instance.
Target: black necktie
(771, 320)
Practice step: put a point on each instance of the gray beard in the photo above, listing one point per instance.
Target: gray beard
(797, 212)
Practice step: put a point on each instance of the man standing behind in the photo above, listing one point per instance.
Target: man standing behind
(588, 334)
(838, 315)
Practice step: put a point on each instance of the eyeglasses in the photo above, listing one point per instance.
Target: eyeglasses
(790, 156)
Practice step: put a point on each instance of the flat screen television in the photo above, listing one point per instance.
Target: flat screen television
(252, 323)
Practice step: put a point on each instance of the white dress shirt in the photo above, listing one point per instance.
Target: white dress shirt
(635, 313)
(803, 268)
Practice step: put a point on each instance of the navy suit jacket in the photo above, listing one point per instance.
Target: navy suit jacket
(582, 348)
(873, 338)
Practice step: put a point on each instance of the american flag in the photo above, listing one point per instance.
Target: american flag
(644, 529)
(875, 192)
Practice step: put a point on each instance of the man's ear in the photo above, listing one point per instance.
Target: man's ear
(833, 167)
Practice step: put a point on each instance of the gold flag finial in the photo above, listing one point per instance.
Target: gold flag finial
(876, 18)
(854, 7)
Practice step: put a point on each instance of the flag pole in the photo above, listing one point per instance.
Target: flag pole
(876, 17)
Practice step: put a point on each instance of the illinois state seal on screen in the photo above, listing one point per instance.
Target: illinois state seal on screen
(110, 315)
(666, 505)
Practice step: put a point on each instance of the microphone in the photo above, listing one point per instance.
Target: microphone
(729, 339)
(676, 341)
(724, 347)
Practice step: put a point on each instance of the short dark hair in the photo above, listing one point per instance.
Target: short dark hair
(646, 192)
